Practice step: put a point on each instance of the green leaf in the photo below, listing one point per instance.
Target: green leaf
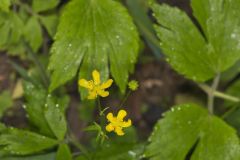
(64, 153)
(105, 32)
(4, 5)
(36, 100)
(44, 5)
(200, 56)
(20, 142)
(55, 116)
(11, 29)
(46, 111)
(50, 23)
(5, 102)
(33, 33)
(139, 12)
(187, 125)
(49, 156)
(232, 115)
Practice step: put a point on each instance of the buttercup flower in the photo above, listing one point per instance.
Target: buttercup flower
(95, 87)
(117, 123)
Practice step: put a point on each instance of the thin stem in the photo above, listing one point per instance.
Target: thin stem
(231, 110)
(100, 111)
(125, 98)
(211, 94)
(75, 142)
(218, 94)
(40, 67)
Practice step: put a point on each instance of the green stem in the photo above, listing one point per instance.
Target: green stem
(78, 145)
(100, 115)
(211, 94)
(125, 99)
(218, 94)
(40, 67)
(231, 110)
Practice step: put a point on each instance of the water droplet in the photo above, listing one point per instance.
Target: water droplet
(49, 95)
(24, 106)
(117, 36)
(57, 105)
(131, 153)
(172, 109)
(179, 108)
(233, 35)
(70, 45)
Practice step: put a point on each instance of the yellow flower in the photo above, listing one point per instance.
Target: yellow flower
(95, 87)
(117, 123)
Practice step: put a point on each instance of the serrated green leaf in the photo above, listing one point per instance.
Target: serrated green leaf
(200, 56)
(63, 153)
(44, 5)
(20, 142)
(55, 116)
(50, 22)
(5, 101)
(186, 125)
(4, 5)
(49, 156)
(92, 40)
(33, 33)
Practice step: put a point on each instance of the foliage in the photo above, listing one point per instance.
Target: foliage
(100, 39)
(92, 41)
(191, 128)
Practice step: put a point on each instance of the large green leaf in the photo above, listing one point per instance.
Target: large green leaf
(186, 125)
(200, 55)
(89, 34)
(20, 142)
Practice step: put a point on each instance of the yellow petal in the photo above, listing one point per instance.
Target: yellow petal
(109, 127)
(92, 95)
(107, 84)
(110, 117)
(96, 77)
(121, 114)
(119, 131)
(102, 93)
(86, 84)
(126, 123)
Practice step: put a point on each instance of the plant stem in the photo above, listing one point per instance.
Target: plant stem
(125, 98)
(231, 110)
(75, 142)
(211, 94)
(40, 67)
(218, 94)
(99, 111)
